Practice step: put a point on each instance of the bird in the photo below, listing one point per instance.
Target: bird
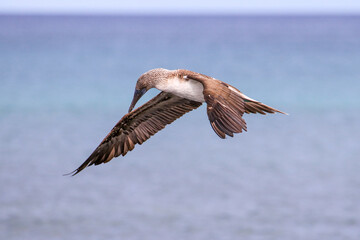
(181, 92)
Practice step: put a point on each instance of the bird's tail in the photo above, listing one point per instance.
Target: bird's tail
(253, 106)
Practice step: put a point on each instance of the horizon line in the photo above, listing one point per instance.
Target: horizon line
(176, 14)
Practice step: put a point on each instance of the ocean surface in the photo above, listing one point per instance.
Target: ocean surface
(66, 80)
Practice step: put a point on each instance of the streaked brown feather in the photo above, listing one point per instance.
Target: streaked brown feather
(138, 126)
(226, 105)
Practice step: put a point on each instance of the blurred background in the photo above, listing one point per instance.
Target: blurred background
(67, 75)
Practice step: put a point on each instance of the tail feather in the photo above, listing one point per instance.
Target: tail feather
(258, 107)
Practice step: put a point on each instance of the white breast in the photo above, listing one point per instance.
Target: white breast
(189, 89)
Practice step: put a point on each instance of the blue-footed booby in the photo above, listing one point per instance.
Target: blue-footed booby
(181, 91)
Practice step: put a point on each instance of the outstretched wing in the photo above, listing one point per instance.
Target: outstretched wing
(226, 105)
(138, 126)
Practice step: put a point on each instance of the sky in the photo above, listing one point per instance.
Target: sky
(180, 6)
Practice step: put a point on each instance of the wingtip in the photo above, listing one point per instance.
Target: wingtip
(71, 174)
(283, 113)
(75, 172)
(68, 174)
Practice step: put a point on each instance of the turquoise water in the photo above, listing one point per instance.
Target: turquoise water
(65, 82)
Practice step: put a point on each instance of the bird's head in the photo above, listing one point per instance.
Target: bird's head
(147, 81)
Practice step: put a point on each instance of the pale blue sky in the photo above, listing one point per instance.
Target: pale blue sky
(181, 6)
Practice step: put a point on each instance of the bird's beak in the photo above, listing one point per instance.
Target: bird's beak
(137, 95)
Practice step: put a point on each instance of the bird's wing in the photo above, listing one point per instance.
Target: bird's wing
(138, 126)
(226, 104)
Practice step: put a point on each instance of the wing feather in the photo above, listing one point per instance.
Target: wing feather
(138, 126)
(226, 105)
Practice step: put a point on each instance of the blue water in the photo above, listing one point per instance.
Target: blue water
(65, 82)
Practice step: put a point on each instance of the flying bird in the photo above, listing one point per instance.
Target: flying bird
(181, 91)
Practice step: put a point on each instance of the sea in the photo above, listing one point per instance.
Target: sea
(66, 80)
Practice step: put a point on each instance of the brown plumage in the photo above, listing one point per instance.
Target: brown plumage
(226, 105)
(138, 126)
(182, 91)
